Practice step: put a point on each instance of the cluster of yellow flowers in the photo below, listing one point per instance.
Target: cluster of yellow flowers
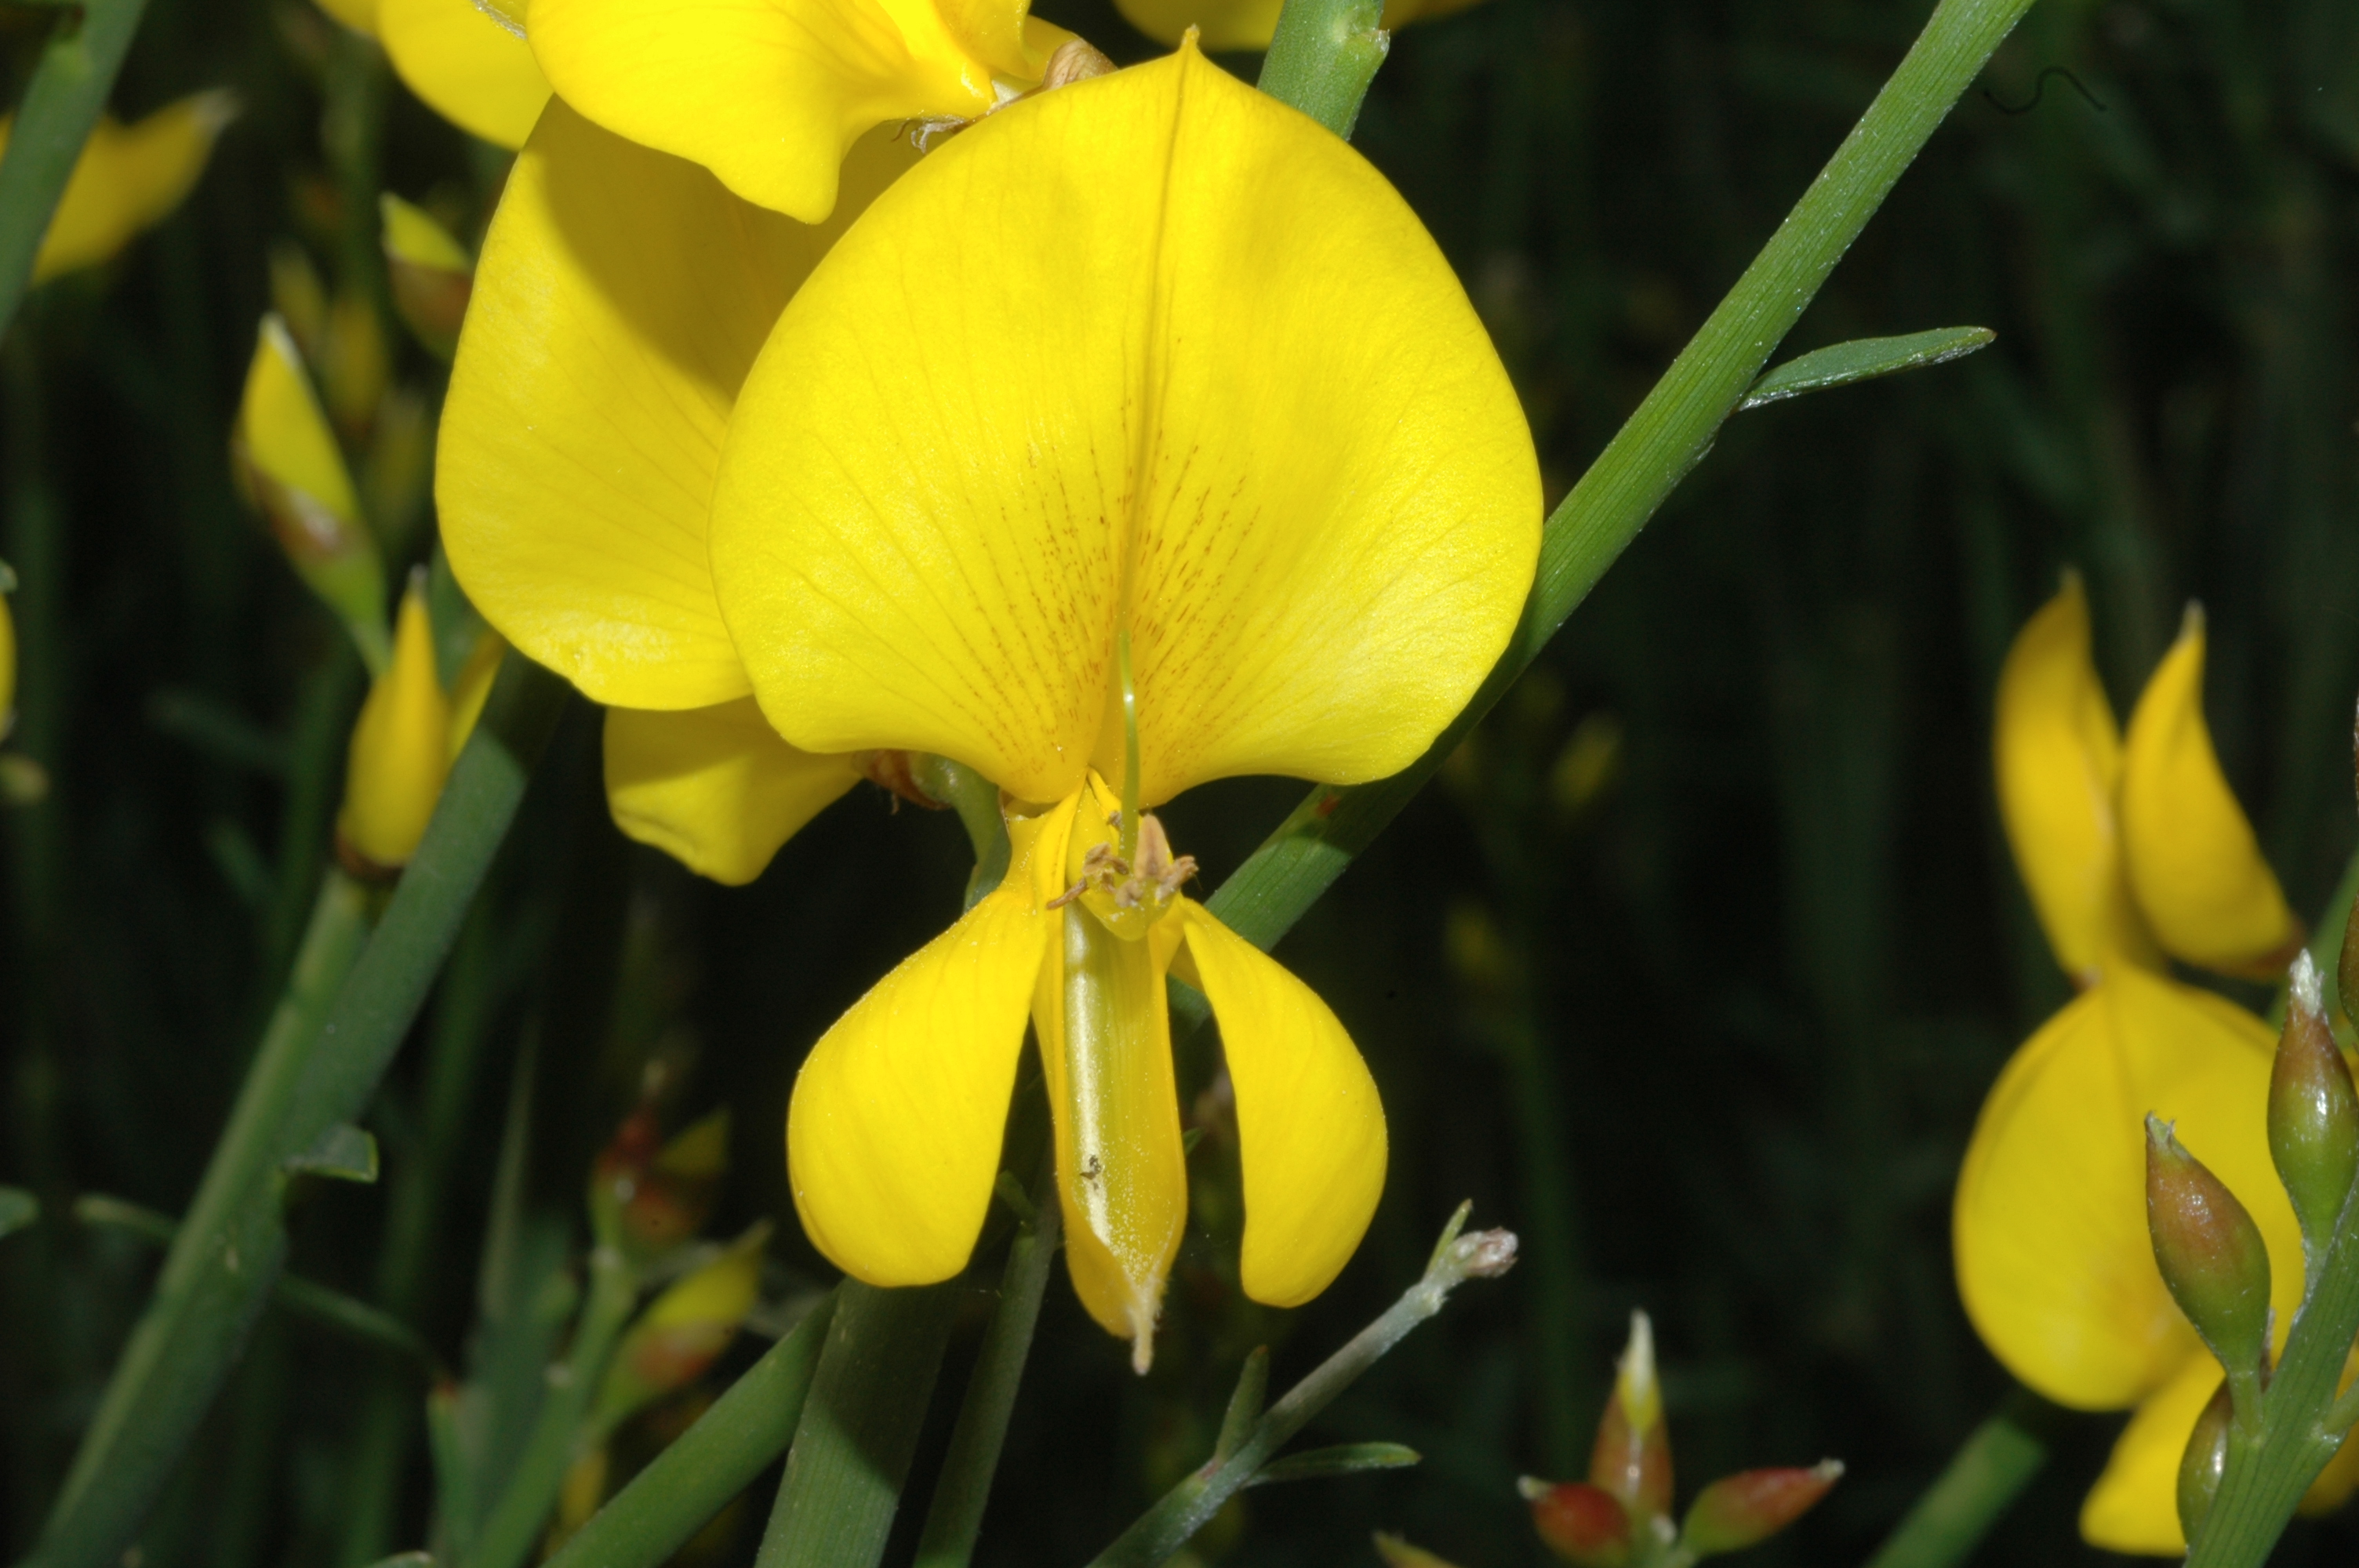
(2133, 849)
(1137, 436)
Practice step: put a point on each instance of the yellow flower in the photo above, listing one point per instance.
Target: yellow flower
(771, 94)
(1148, 389)
(2129, 852)
(1248, 23)
(127, 179)
(409, 733)
(621, 295)
(466, 61)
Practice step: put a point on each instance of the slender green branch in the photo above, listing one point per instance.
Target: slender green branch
(331, 1041)
(693, 1479)
(1668, 435)
(68, 91)
(859, 1432)
(1982, 1480)
(1163, 1529)
(515, 1524)
(955, 1517)
(1323, 56)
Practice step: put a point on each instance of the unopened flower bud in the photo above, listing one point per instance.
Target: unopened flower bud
(647, 1197)
(1632, 1459)
(355, 364)
(2313, 1112)
(1398, 1553)
(1741, 1510)
(8, 655)
(685, 1330)
(287, 463)
(2206, 1458)
(2210, 1252)
(400, 751)
(1585, 1525)
(429, 272)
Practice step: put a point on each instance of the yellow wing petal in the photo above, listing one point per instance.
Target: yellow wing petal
(2134, 1507)
(1310, 1126)
(714, 787)
(621, 295)
(2053, 1259)
(127, 179)
(893, 1132)
(469, 68)
(2058, 758)
(2193, 861)
(1152, 328)
(770, 94)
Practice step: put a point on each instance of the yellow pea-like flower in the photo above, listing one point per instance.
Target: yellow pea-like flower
(400, 750)
(1249, 24)
(1079, 448)
(2130, 849)
(467, 63)
(128, 178)
(771, 94)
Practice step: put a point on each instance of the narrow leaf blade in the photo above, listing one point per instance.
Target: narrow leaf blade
(1865, 359)
(1344, 1459)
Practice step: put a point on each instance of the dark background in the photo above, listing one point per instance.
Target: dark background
(1711, 1036)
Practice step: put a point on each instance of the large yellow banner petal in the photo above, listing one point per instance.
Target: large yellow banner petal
(2059, 756)
(621, 295)
(2053, 1259)
(2197, 868)
(1152, 348)
(468, 68)
(1311, 1129)
(714, 787)
(769, 95)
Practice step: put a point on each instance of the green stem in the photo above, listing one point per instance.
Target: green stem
(2269, 1472)
(223, 1260)
(1163, 1529)
(68, 91)
(1668, 435)
(1981, 1481)
(955, 1517)
(316, 1074)
(671, 1499)
(1322, 56)
(514, 1525)
(852, 1452)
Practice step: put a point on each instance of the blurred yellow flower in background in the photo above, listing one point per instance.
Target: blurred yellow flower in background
(128, 178)
(468, 63)
(2130, 850)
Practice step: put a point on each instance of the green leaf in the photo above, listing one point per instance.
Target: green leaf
(19, 1208)
(1245, 1402)
(1343, 1459)
(1865, 359)
(343, 1153)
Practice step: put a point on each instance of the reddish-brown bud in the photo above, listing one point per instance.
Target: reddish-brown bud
(2210, 1252)
(648, 1197)
(1750, 1506)
(1585, 1525)
(1632, 1459)
(2313, 1112)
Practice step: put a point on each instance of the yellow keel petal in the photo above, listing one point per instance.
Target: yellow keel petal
(894, 1128)
(467, 67)
(2054, 1262)
(1156, 348)
(621, 296)
(1310, 1125)
(2197, 871)
(714, 787)
(2058, 758)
